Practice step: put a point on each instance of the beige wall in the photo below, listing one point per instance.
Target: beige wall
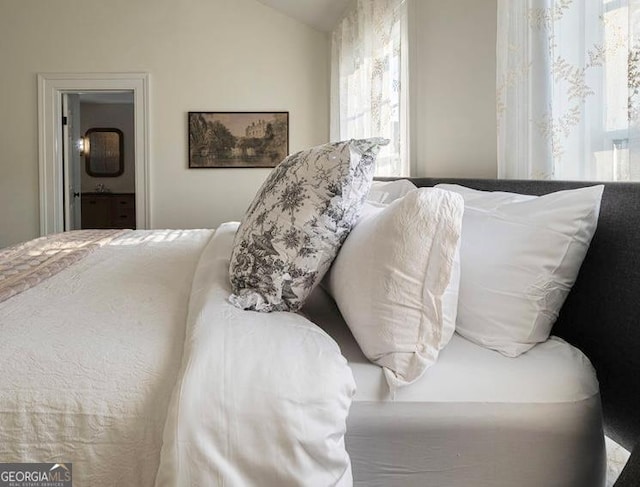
(118, 116)
(233, 55)
(453, 72)
(202, 55)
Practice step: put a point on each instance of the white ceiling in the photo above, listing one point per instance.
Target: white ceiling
(319, 14)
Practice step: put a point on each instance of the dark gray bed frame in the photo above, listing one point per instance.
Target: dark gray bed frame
(601, 315)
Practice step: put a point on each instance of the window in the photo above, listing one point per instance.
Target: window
(368, 66)
(568, 75)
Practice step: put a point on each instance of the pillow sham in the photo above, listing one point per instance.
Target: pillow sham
(297, 222)
(520, 256)
(390, 278)
(387, 191)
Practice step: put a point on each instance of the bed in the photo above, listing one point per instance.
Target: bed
(94, 373)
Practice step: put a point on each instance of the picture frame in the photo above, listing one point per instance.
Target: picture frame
(237, 139)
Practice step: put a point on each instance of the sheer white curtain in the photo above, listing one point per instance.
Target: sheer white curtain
(568, 81)
(369, 66)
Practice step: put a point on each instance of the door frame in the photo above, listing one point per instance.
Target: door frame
(50, 159)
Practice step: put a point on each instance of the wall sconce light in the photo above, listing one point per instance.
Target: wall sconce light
(84, 146)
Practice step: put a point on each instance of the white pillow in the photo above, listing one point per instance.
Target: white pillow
(390, 278)
(383, 193)
(520, 256)
(387, 191)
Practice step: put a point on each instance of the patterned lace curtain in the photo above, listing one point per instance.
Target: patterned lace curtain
(369, 63)
(568, 89)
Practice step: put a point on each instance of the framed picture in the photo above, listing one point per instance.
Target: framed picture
(238, 139)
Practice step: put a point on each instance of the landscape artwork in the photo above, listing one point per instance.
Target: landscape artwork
(238, 139)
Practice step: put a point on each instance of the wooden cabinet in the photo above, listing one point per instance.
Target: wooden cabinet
(108, 210)
(123, 211)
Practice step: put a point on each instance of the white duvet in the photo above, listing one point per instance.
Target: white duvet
(102, 363)
(263, 397)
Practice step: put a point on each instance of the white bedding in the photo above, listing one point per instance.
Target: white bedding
(89, 359)
(475, 418)
(263, 397)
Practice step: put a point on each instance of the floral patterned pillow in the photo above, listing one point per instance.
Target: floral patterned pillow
(297, 222)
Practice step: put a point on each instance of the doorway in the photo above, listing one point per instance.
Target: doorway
(98, 159)
(56, 147)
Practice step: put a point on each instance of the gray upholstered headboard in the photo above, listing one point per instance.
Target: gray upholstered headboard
(602, 313)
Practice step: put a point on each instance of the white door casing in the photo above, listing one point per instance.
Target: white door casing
(51, 86)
